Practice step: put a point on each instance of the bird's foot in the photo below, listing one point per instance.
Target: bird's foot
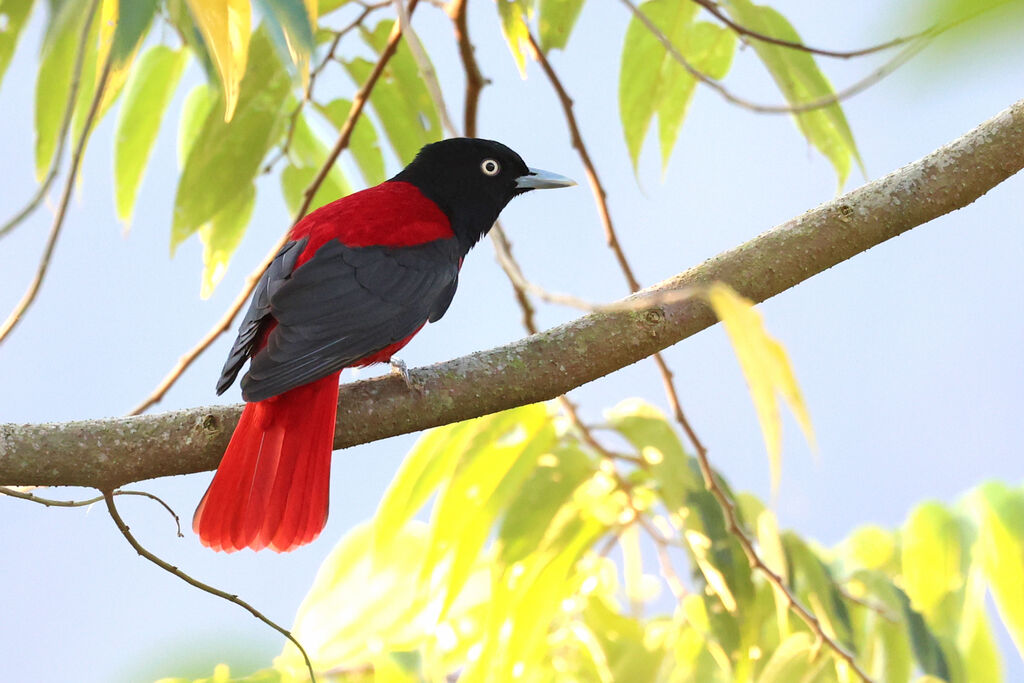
(398, 367)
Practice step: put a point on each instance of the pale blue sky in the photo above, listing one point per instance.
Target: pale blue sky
(909, 355)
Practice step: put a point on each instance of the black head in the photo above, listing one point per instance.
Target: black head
(472, 180)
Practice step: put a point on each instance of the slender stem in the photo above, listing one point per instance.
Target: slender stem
(65, 126)
(50, 502)
(914, 45)
(126, 532)
(58, 220)
(714, 10)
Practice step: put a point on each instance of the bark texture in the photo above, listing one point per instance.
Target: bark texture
(113, 452)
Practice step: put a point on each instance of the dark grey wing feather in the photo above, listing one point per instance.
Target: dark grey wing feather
(279, 270)
(348, 303)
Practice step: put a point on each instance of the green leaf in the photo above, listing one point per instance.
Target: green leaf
(550, 487)
(652, 82)
(225, 156)
(883, 644)
(360, 607)
(515, 16)
(975, 641)
(813, 581)
(800, 80)
(627, 652)
(871, 547)
(194, 110)
(221, 236)
(1000, 513)
(400, 98)
(133, 20)
(147, 94)
(487, 475)
(308, 153)
(647, 430)
(555, 22)
(931, 557)
(56, 61)
(294, 19)
(429, 462)
(16, 13)
(796, 659)
(925, 645)
(710, 49)
(327, 6)
(363, 143)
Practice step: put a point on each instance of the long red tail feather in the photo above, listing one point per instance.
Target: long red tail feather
(271, 489)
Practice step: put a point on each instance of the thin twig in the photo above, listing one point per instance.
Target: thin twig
(226, 320)
(123, 528)
(916, 44)
(475, 80)
(50, 502)
(65, 125)
(58, 220)
(427, 73)
(307, 96)
(666, 374)
(714, 10)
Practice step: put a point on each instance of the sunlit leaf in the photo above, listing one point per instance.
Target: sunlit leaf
(147, 94)
(927, 650)
(975, 640)
(430, 462)
(871, 547)
(308, 154)
(221, 236)
(1000, 511)
(400, 98)
(16, 13)
(646, 428)
(61, 43)
(550, 487)
(652, 82)
(297, 19)
(800, 80)
(627, 651)
(360, 608)
(931, 557)
(884, 642)
(226, 26)
(555, 21)
(811, 578)
(226, 156)
(363, 143)
(487, 475)
(194, 111)
(765, 366)
(514, 16)
(328, 6)
(797, 659)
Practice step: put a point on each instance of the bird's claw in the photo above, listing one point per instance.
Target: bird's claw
(398, 367)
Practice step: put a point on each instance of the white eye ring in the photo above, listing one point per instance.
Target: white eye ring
(490, 167)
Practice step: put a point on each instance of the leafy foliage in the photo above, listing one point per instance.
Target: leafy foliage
(510, 578)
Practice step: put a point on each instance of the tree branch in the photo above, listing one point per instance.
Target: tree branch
(109, 453)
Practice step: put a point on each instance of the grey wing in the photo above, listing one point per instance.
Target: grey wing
(346, 304)
(279, 270)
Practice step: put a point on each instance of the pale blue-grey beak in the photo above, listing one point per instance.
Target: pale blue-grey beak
(537, 179)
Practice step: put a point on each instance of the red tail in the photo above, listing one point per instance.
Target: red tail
(271, 489)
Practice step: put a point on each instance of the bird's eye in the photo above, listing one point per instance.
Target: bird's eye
(490, 167)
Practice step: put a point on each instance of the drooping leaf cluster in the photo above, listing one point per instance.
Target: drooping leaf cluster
(259, 110)
(509, 579)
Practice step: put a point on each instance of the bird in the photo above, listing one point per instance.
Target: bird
(357, 279)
